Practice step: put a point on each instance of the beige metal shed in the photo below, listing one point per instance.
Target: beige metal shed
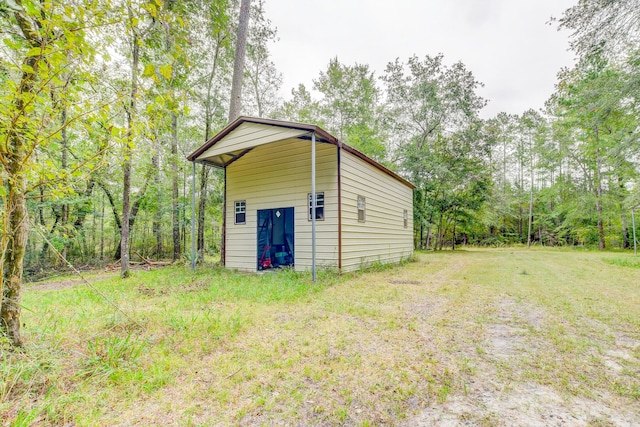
(363, 212)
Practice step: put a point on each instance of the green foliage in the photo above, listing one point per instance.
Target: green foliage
(349, 107)
(602, 27)
(434, 110)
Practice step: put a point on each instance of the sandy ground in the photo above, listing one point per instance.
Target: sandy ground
(55, 285)
(491, 399)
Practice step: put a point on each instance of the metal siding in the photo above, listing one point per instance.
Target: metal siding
(249, 135)
(278, 175)
(383, 236)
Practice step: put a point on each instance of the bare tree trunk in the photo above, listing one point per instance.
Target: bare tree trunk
(157, 219)
(453, 240)
(238, 63)
(441, 231)
(204, 175)
(626, 243)
(520, 221)
(133, 214)
(530, 196)
(598, 191)
(174, 194)
(64, 219)
(102, 228)
(126, 168)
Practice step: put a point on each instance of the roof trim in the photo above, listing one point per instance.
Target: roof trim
(321, 136)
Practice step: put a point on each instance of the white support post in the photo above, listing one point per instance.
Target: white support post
(313, 205)
(193, 217)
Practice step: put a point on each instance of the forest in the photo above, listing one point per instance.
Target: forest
(102, 100)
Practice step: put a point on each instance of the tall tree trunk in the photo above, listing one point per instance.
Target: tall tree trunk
(626, 238)
(597, 177)
(45, 244)
(102, 227)
(64, 219)
(236, 85)
(127, 152)
(453, 240)
(204, 174)
(238, 63)
(204, 177)
(441, 231)
(174, 193)
(530, 195)
(17, 230)
(520, 221)
(135, 208)
(84, 209)
(157, 218)
(15, 216)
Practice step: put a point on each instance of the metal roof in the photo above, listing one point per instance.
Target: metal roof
(246, 133)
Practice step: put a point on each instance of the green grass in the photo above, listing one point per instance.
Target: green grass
(217, 347)
(624, 262)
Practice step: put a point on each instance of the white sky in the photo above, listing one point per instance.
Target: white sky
(507, 44)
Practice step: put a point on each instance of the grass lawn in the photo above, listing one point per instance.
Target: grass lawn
(473, 337)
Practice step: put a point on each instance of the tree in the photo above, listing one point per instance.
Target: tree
(46, 42)
(593, 125)
(350, 106)
(238, 64)
(263, 77)
(433, 111)
(532, 128)
(301, 107)
(603, 27)
(217, 41)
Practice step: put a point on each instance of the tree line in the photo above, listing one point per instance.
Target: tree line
(101, 101)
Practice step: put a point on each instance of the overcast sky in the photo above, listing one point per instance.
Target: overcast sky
(507, 44)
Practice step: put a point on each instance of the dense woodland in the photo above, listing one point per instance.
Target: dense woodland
(101, 101)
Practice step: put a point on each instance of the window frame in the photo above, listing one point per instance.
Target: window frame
(405, 218)
(319, 208)
(242, 205)
(361, 200)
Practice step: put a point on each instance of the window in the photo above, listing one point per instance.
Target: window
(361, 209)
(319, 206)
(241, 212)
(405, 217)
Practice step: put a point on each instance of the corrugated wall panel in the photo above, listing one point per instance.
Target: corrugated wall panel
(278, 175)
(382, 237)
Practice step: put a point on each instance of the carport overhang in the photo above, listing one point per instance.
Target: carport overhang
(246, 133)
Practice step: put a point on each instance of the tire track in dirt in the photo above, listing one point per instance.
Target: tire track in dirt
(494, 396)
(65, 284)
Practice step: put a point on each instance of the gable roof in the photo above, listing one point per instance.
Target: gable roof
(246, 133)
